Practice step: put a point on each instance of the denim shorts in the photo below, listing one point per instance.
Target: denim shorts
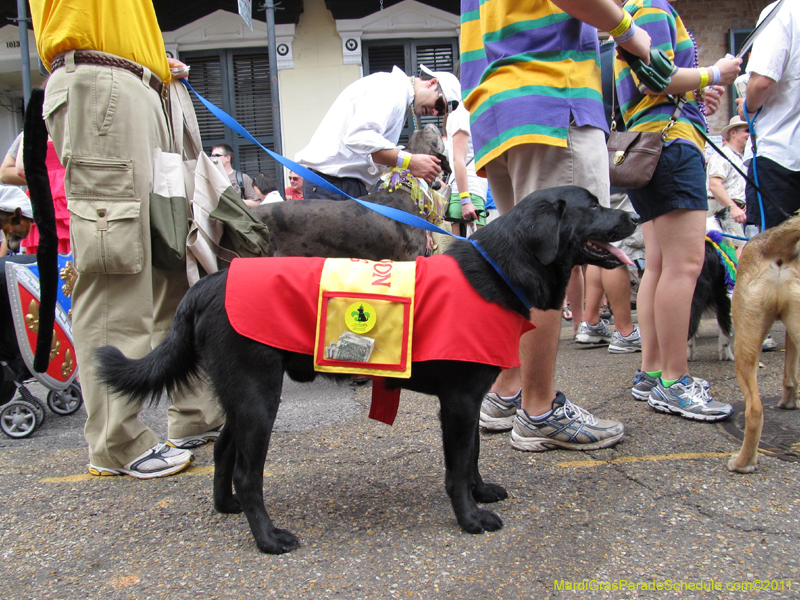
(679, 181)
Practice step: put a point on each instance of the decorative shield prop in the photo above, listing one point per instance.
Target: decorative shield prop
(24, 294)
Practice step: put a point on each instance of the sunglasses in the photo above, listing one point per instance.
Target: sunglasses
(443, 106)
(294, 179)
(218, 155)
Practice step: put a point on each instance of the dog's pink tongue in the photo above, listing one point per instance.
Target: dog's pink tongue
(624, 258)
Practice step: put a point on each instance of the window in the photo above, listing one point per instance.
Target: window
(237, 81)
(436, 54)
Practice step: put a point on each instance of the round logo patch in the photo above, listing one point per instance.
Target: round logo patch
(360, 317)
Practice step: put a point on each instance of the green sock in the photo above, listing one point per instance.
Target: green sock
(667, 383)
(654, 374)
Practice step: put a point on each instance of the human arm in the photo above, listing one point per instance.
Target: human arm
(19, 165)
(717, 189)
(8, 172)
(423, 166)
(460, 148)
(686, 80)
(759, 90)
(606, 15)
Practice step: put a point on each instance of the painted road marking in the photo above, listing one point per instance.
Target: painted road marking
(635, 459)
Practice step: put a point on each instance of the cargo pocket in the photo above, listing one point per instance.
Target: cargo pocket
(105, 235)
(105, 228)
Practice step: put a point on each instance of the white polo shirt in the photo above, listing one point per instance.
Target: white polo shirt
(458, 120)
(776, 54)
(367, 116)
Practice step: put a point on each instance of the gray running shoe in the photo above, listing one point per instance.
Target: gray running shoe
(593, 334)
(567, 426)
(497, 414)
(623, 344)
(161, 460)
(643, 384)
(688, 398)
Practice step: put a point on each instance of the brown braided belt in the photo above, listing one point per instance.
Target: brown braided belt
(102, 60)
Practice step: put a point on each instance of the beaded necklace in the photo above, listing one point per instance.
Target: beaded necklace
(411, 107)
(698, 94)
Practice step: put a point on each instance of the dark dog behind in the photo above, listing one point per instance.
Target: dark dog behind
(344, 228)
(711, 295)
(536, 245)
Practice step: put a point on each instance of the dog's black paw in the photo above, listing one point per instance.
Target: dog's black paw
(228, 506)
(280, 542)
(481, 521)
(489, 492)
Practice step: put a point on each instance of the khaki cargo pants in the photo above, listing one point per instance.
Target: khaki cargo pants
(106, 123)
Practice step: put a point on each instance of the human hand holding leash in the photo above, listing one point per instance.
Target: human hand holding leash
(468, 211)
(178, 69)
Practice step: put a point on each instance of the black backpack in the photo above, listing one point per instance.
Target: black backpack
(240, 182)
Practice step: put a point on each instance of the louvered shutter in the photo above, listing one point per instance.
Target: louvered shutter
(206, 77)
(237, 81)
(253, 102)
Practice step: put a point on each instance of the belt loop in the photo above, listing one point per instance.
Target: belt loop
(146, 76)
(69, 61)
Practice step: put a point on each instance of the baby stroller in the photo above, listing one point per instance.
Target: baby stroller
(21, 413)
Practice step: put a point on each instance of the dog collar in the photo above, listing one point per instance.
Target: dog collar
(517, 291)
(430, 207)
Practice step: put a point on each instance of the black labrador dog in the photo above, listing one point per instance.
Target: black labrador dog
(345, 228)
(536, 245)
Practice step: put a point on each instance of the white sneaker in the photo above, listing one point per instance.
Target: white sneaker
(161, 460)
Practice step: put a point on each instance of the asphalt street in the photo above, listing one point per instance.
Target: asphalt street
(654, 517)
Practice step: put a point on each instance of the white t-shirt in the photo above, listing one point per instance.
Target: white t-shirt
(458, 120)
(273, 196)
(776, 54)
(731, 180)
(366, 117)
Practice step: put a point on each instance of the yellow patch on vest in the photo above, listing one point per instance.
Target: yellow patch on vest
(365, 318)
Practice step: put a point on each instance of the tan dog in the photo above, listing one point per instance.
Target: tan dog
(16, 227)
(767, 290)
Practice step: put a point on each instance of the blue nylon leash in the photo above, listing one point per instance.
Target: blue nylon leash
(752, 127)
(386, 211)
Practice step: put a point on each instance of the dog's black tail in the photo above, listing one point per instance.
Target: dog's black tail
(172, 365)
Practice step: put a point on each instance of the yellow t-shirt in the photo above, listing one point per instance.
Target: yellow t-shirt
(126, 28)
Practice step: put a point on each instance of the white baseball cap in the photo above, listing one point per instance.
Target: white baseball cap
(11, 198)
(449, 85)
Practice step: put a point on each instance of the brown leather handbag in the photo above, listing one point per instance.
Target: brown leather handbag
(633, 155)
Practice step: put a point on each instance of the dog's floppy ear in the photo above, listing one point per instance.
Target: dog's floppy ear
(540, 233)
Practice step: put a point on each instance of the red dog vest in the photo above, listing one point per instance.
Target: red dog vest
(275, 301)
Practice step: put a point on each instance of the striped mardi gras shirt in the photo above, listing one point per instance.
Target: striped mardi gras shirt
(527, 67)
(643, 112)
